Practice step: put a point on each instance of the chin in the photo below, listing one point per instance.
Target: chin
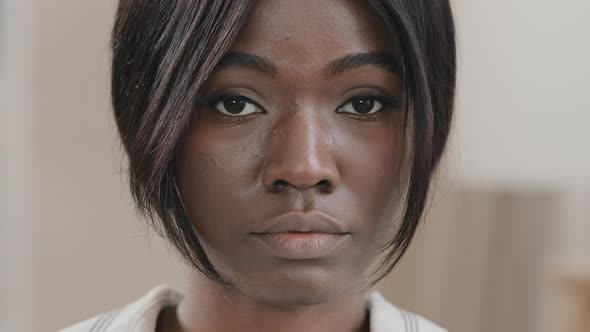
(299, 285)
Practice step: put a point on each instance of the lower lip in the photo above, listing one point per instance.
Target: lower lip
(293, 245)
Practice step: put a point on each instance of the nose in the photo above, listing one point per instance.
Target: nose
(299, 155)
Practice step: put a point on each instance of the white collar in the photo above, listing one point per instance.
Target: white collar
(141, 315)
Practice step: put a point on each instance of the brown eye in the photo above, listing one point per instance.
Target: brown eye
(236, 106)
(362, 105)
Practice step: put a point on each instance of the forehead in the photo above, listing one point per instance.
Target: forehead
(310, 33)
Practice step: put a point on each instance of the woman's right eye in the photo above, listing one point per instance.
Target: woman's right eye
(236, 106)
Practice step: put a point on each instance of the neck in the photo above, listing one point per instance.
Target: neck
(207, 306)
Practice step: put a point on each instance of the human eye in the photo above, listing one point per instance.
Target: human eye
(364, 106)
(233, 105)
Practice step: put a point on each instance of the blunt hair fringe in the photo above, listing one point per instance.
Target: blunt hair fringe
(164, 51)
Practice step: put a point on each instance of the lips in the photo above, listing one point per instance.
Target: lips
(297, 236)
(314, 222)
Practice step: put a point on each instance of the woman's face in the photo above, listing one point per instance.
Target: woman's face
(303, 119)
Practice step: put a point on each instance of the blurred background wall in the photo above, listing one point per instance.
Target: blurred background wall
(510, 214)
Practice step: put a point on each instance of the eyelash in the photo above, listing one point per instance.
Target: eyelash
(387, 102)
(213, 99)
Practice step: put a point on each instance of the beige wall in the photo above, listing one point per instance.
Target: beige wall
(72, 246)
(522, 103)
(91, 250)
(478, 262)
(16, 143)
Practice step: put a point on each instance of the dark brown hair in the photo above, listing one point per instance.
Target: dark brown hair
(164, 51)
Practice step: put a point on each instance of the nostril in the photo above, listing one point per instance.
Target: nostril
(324, 184)
(279, 185)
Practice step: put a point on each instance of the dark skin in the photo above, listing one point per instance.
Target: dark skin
(332, 139)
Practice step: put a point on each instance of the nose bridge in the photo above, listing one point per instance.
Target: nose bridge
(299, 152)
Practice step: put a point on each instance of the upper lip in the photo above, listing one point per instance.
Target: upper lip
(316, 222)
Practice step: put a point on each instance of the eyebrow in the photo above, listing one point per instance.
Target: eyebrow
(356, 60)
(335, 67)
(255, 62)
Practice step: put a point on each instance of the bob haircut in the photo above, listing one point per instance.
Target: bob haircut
(164, 51)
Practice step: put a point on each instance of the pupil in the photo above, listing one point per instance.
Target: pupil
(234, 106)
(363, 105)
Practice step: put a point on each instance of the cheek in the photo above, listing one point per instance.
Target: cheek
(214, 176)
(372, 163)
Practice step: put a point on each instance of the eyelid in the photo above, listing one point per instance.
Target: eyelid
(385, 99)
(213, 99)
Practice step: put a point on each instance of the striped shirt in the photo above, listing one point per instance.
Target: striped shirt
(141, 315)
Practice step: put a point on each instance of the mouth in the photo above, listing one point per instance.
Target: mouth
(302, 236)
(312, 222)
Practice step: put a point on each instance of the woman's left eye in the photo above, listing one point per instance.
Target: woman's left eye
(362, 106)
